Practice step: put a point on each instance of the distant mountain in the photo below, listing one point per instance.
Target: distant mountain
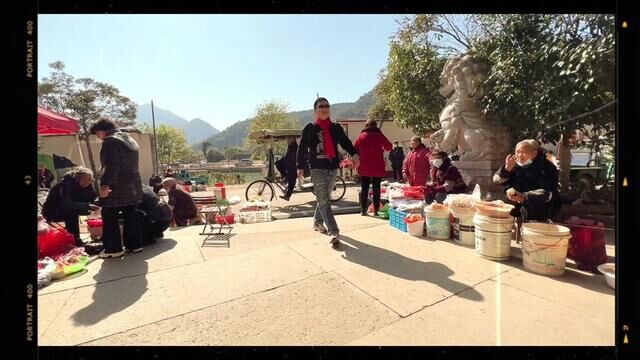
(195, 130)
(235, 134)
(162, 116)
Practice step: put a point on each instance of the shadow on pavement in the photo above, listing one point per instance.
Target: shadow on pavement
(111, 297)
(397, 265)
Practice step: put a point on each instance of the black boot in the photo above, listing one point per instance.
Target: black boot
(363, 212)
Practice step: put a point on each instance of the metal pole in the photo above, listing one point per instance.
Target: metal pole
(156, 166)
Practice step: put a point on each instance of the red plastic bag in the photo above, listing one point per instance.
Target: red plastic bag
(413, 192)
(94, 223)
(54, 242)
(587, 243)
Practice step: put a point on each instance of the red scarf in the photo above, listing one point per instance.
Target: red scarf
(329, 149)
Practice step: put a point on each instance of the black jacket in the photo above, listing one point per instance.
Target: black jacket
(68, 198)
(119, 159)
(153, 207)
(312, 141)
(396, 156)
(539, 182)
(289, 159)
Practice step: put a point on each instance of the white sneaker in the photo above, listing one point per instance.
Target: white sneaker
(136, 250)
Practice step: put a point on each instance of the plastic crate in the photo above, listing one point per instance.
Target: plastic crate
(252, 217)
(396, 219)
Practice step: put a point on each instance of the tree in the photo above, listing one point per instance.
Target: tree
(84, 99)
(214, 155)
(550, 76)
(409, 87)
(381, 110)
(191, 156)
(232, 153)
(205, 146)
(269, 115)
(172, 145)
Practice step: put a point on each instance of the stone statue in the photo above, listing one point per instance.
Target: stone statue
(465, 129)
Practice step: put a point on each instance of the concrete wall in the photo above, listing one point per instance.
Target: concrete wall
(68, 146)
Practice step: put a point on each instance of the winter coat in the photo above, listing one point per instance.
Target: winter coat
(184, 205)
(153, 207)
(119, 158)
(416, 166)
(539, 182)
(447, 179)
(311, 149)
(396, 156)
(289, 159)
(67, 197)
(371, 144)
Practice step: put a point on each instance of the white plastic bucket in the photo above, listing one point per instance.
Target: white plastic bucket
(416, 228)
(493, 236)
(544, 248)
(463, 227)
(438, 224)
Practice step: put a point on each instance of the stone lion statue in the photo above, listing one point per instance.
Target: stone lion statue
(465, 129)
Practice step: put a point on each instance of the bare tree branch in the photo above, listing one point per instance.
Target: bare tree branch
(582, 115)
(439, 29)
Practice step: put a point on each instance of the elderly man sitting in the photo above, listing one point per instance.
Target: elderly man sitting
(182, 204)
(531, 182)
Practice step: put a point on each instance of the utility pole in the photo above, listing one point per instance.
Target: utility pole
(156, 166)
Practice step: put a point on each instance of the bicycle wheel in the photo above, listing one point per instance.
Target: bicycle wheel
(260, 189)
(339, 189)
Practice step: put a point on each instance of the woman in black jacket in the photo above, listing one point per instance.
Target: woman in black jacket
(120, 189)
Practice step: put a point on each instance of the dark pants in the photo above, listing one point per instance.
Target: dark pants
(72, 225)
(397, 172)
(151, 228)
(132, 236)
(364, 192)
(290, 175)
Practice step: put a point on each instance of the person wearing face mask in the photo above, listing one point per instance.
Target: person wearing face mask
(445, 178)
(531, 182)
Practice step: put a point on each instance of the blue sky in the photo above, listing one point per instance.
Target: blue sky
(220, 67)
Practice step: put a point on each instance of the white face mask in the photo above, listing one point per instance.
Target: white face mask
(436, 162)
(528, 162)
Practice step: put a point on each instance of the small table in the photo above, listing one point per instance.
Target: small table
(215, 234)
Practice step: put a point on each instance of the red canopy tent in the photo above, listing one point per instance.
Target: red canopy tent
(51, 123)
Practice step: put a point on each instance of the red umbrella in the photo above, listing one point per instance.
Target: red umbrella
(50, 123)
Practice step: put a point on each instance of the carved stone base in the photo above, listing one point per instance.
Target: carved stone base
(481, 172)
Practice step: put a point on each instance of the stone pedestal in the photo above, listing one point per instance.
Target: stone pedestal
(481, 172)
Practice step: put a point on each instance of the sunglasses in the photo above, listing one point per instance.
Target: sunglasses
(324, 106)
